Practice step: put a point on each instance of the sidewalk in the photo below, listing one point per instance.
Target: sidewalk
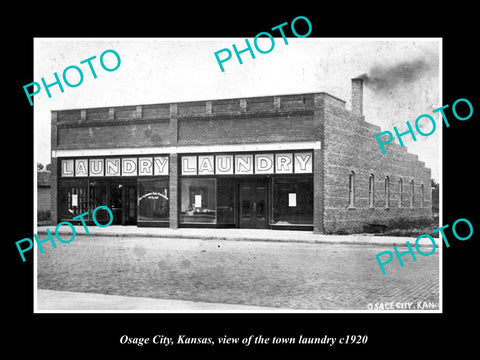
(53, 300)
(237, 235)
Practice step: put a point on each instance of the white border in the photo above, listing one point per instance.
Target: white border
(214, 148)
(193, 149)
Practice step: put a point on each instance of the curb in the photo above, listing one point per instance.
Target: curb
(49, 301)
(378, 241)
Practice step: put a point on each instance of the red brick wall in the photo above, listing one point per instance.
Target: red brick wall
(253, 120)
(349, 145)
(43, 198)
(132, 134)
(245, 129)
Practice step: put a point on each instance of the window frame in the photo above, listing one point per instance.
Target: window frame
(400, 192)
(371, 191)
(387, 192)
(295, 179)
(412, 194)
(180, 198)
(76, 183)
(351, 190)
(422, 196)
(141, 180)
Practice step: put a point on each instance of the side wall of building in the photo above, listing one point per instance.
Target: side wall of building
(349, 145)
(43, 198)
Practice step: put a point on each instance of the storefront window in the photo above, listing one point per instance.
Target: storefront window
(73, 198)
(153, 200)
(198, 201)
(225, 201)
(292, 201)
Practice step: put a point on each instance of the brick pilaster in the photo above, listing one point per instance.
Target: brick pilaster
(318, 191)
(174, 191)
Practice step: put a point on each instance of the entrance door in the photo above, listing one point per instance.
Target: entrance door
(116, 202)
(253, 204)
(123, 198)
(129, 210)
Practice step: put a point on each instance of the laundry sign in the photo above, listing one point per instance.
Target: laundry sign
(247, 164)
(128, 166)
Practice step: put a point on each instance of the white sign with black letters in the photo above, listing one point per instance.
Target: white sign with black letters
(131, 166)
(248, 164)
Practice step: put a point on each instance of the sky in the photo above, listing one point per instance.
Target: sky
(402, 77)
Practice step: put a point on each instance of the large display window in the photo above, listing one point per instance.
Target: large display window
(73, 198)
(153, 200)
(208, 201)
(198, 201)
(292, 201)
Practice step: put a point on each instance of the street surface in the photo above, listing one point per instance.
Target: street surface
(274, 274)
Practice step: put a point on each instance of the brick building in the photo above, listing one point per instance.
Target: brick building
(299, 161)
(43, 190)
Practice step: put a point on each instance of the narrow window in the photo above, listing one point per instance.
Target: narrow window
(387, 192)
(400, 192)
(422, 194)
(371, 189)
(411, 193)
(351, 189)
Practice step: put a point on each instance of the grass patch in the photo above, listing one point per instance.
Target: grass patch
(44, 217)
(410, 227)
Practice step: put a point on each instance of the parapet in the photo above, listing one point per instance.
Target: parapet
(219, 107)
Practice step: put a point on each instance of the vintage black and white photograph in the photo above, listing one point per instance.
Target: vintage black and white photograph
(269, 174)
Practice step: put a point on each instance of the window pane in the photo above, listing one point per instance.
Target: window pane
(370, 189)
(73, 198)
(289, 208)
(198, 201)
(411, 193)
(400, 192)
(153, 200)
(387, 191)
(351, 189)
(422, 195)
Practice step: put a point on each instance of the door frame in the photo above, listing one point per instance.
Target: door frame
(126, 220)
(253, 182)
(125, 183)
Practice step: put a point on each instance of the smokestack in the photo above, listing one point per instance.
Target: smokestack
(357, 96)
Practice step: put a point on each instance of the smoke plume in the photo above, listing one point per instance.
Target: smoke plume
(381, 78)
